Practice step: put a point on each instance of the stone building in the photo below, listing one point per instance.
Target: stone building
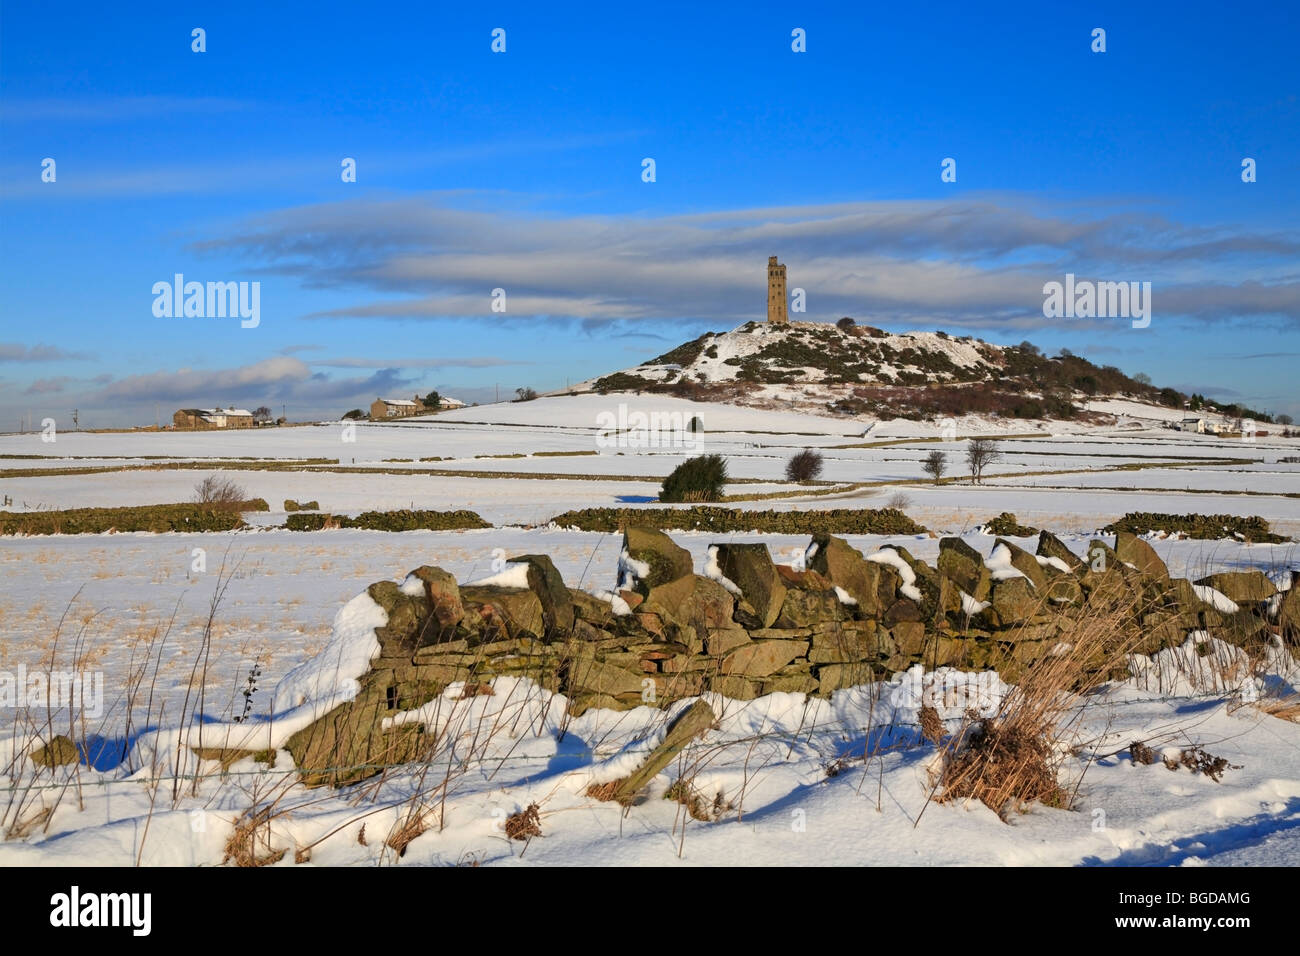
(395, 408)
(212, 418)
(777, 313)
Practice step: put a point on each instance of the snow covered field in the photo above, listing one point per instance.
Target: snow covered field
(107, 600)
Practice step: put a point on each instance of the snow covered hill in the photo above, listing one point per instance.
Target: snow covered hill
(866, 373)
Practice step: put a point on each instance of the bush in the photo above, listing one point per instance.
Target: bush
(1005, 525)
(354, 414)
(803, 466)
(291, 505)
(724, 520)
(220, 493)
(898, 501)
(696, 479)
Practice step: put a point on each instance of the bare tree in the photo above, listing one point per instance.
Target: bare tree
(980, 453)
(261, 414)
(935, 464)
(220, 493)
(525, 394)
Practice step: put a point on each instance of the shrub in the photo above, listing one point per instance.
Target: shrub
(845, 324)
(803, 466)
(697, 479)
(898, 501)
(354, 414)
(220, 493)
(525, 394)
(1005, 525)
(291, 505)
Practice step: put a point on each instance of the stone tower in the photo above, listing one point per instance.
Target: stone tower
(776, 301)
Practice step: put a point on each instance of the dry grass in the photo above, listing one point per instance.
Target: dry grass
(249, 843)
(698, 804)
(1010, 759)
(411, 826)
(605, 791)
(525, 824)
(1283, 708)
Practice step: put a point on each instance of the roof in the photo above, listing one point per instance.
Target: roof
(398, 401)
(226, 411)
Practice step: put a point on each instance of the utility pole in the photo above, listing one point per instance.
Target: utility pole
(498, 397)
(74, 419)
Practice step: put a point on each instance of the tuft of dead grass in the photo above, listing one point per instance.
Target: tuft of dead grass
(249, 844)
(605, 791)
(525, 824)
(1010, 759)
(931, 724)
(412, 826)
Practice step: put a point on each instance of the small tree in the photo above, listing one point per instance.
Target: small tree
(845, 324)
(354, 414)
(525, 394)
(696, 479)
(432, 400)
(980, 453)
(261, 414)
(1142, 378)
(803, 466)
(935, 464)
(1285, 420)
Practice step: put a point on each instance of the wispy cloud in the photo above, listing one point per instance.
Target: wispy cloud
(112, 109)
(473, 362)
(976, 262)
(17, 352)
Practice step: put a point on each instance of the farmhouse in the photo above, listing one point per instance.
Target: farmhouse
(213, 418)
(1202, 426)
(394, 408)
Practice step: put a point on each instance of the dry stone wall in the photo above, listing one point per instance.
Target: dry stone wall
(750, 627)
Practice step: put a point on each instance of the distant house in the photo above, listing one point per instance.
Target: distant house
(446, 402)
(1202, 426)
(394, 408)
(212, 418)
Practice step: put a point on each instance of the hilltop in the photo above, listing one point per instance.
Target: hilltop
(861, 371)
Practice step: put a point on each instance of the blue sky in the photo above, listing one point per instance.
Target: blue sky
(522, 171)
